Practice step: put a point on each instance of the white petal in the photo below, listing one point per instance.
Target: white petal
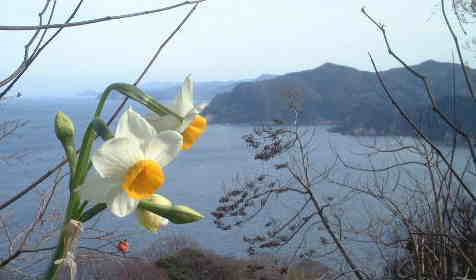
(171, 107)
(96, 188)
(164, 221)
(188, 119)
(132, 124)
(116, 156)
(163, 148)
(201, 107)
(161, 123)
(120, 203)
(185, 97)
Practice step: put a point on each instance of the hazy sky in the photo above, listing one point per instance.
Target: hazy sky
(223, 40)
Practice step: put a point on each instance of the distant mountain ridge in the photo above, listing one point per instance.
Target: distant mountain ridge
(205, 90)
(351, 98)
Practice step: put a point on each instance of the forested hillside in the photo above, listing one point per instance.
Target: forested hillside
(352, 99)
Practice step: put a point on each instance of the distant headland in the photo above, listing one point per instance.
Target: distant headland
(350, 99)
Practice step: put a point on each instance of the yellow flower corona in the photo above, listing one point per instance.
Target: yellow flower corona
(128, 167)
(143, 179)
(192, 126)
(191, 134)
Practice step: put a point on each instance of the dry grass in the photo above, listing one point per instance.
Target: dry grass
(180, 258)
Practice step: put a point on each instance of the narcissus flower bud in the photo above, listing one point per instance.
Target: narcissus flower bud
(149, 220)
(177, 214)
(64, 128)
(185, 214)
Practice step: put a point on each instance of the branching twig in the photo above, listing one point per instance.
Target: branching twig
(97, 20)
(414, 126)
(39, 50)
(426, 84)
(23, 64)
(153, 59)
(19, 252)
(458, 50)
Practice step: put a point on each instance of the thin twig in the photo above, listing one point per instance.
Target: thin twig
(35, 55)
(97, 20)
(424, 79)
(458, 50)
(26, 56)
(50, 18)
(154, 58)
(19, 252)
(32, 185)
(430, 96)
(37, 220)
(417, 130)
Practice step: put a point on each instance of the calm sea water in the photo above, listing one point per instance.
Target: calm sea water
(196, 178)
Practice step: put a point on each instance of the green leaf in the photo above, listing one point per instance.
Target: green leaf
(138, 95)
(91, 212)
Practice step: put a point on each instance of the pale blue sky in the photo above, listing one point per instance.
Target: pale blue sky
(224, 40)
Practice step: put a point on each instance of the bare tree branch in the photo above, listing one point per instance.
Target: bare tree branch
(19, 252)
(23, 64)
(154, 58)
(39, 50)
(424, 79)
(97, 20)
(458, 49)
(418, 131)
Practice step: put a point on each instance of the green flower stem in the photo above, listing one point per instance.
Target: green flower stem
(70, 151)
(62, 248)
(60, 253)
(81, 165)
(84, 156)
(79, 169)
(95, 128)
(138, 95)
(65, 131)
(102, 130)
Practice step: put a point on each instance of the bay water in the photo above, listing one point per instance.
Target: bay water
(198, 178)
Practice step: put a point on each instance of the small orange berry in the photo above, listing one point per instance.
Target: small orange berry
(123, 246)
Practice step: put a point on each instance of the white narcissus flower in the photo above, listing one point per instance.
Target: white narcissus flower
(129, 166)
(152, 221)
(193, 126)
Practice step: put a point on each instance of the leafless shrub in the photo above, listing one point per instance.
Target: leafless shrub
(430, 197)
(290, 176)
